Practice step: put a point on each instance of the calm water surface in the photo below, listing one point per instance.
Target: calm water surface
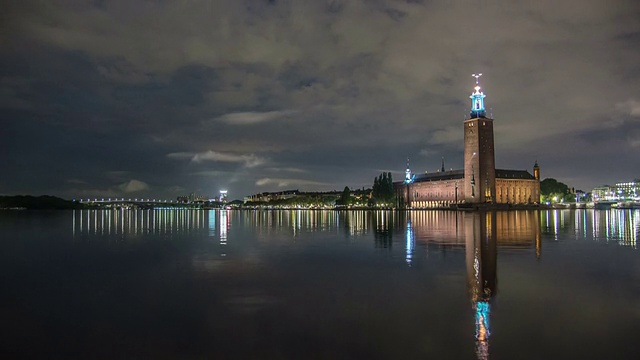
(188, 284)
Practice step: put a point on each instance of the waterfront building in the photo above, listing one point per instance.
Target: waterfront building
(324, 197)
(601, 193)
(270, 196)
(479, 181)
(192, 198)
(622, 191)
(628, 191)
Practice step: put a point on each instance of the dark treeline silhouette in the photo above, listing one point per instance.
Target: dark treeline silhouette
(383, 188)
(36, 202)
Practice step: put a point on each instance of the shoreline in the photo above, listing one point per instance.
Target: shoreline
(463, 208)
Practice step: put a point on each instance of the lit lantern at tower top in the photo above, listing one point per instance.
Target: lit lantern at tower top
(477, 101)
(408, 176)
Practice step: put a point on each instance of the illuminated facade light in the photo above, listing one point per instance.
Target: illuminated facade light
(624, 191)
(477, 101)
(408, 177)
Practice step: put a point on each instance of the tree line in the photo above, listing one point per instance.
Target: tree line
(382, 191)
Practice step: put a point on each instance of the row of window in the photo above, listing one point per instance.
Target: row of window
(439, 194)
(514, 191)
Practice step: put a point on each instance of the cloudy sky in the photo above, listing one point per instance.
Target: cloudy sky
(163, 98)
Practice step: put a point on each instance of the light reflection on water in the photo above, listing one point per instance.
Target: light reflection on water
(389, 284)
(136, 222)
(620, 226)
(479, 234)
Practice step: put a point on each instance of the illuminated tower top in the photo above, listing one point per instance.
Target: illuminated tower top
(477, 101)
(408, 177)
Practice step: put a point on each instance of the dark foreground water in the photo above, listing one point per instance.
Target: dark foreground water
(167, 284)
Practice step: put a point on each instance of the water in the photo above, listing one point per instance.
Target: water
(189, 284)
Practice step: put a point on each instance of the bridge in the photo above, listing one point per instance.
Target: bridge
(140, 203)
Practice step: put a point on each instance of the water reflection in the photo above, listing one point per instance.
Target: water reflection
(295, 220)
(511, 229)
(138, 222)
(481, 258)
(212, 223)
(481, 234)
(410, 243)
(514, 229)
(620, 226)
(224, 228)
(227, 245)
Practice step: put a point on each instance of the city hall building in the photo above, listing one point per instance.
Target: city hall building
(479, 182)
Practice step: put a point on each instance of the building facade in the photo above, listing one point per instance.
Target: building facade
(622, 191)
(192, 198)
(479, 181)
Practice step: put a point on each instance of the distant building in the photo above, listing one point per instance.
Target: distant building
(601, 193)
(192, 198)
(291, 194)
(628, 191)
(269, 196)
(223, 196)
(479, 181)
(580, 195)
(623, 191)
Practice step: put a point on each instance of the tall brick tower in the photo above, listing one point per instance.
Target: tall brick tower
(479, 156)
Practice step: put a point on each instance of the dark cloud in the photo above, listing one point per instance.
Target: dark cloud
(159, 97)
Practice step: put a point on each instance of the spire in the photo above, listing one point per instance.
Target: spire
(408, 177)
(442, 164)
(477, 100)
(536, 171)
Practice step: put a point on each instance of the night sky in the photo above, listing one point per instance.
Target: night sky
(163, 98)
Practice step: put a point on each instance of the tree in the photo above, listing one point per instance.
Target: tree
(554, 191)
(382, 191)
(376, 187)
(345, 198)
